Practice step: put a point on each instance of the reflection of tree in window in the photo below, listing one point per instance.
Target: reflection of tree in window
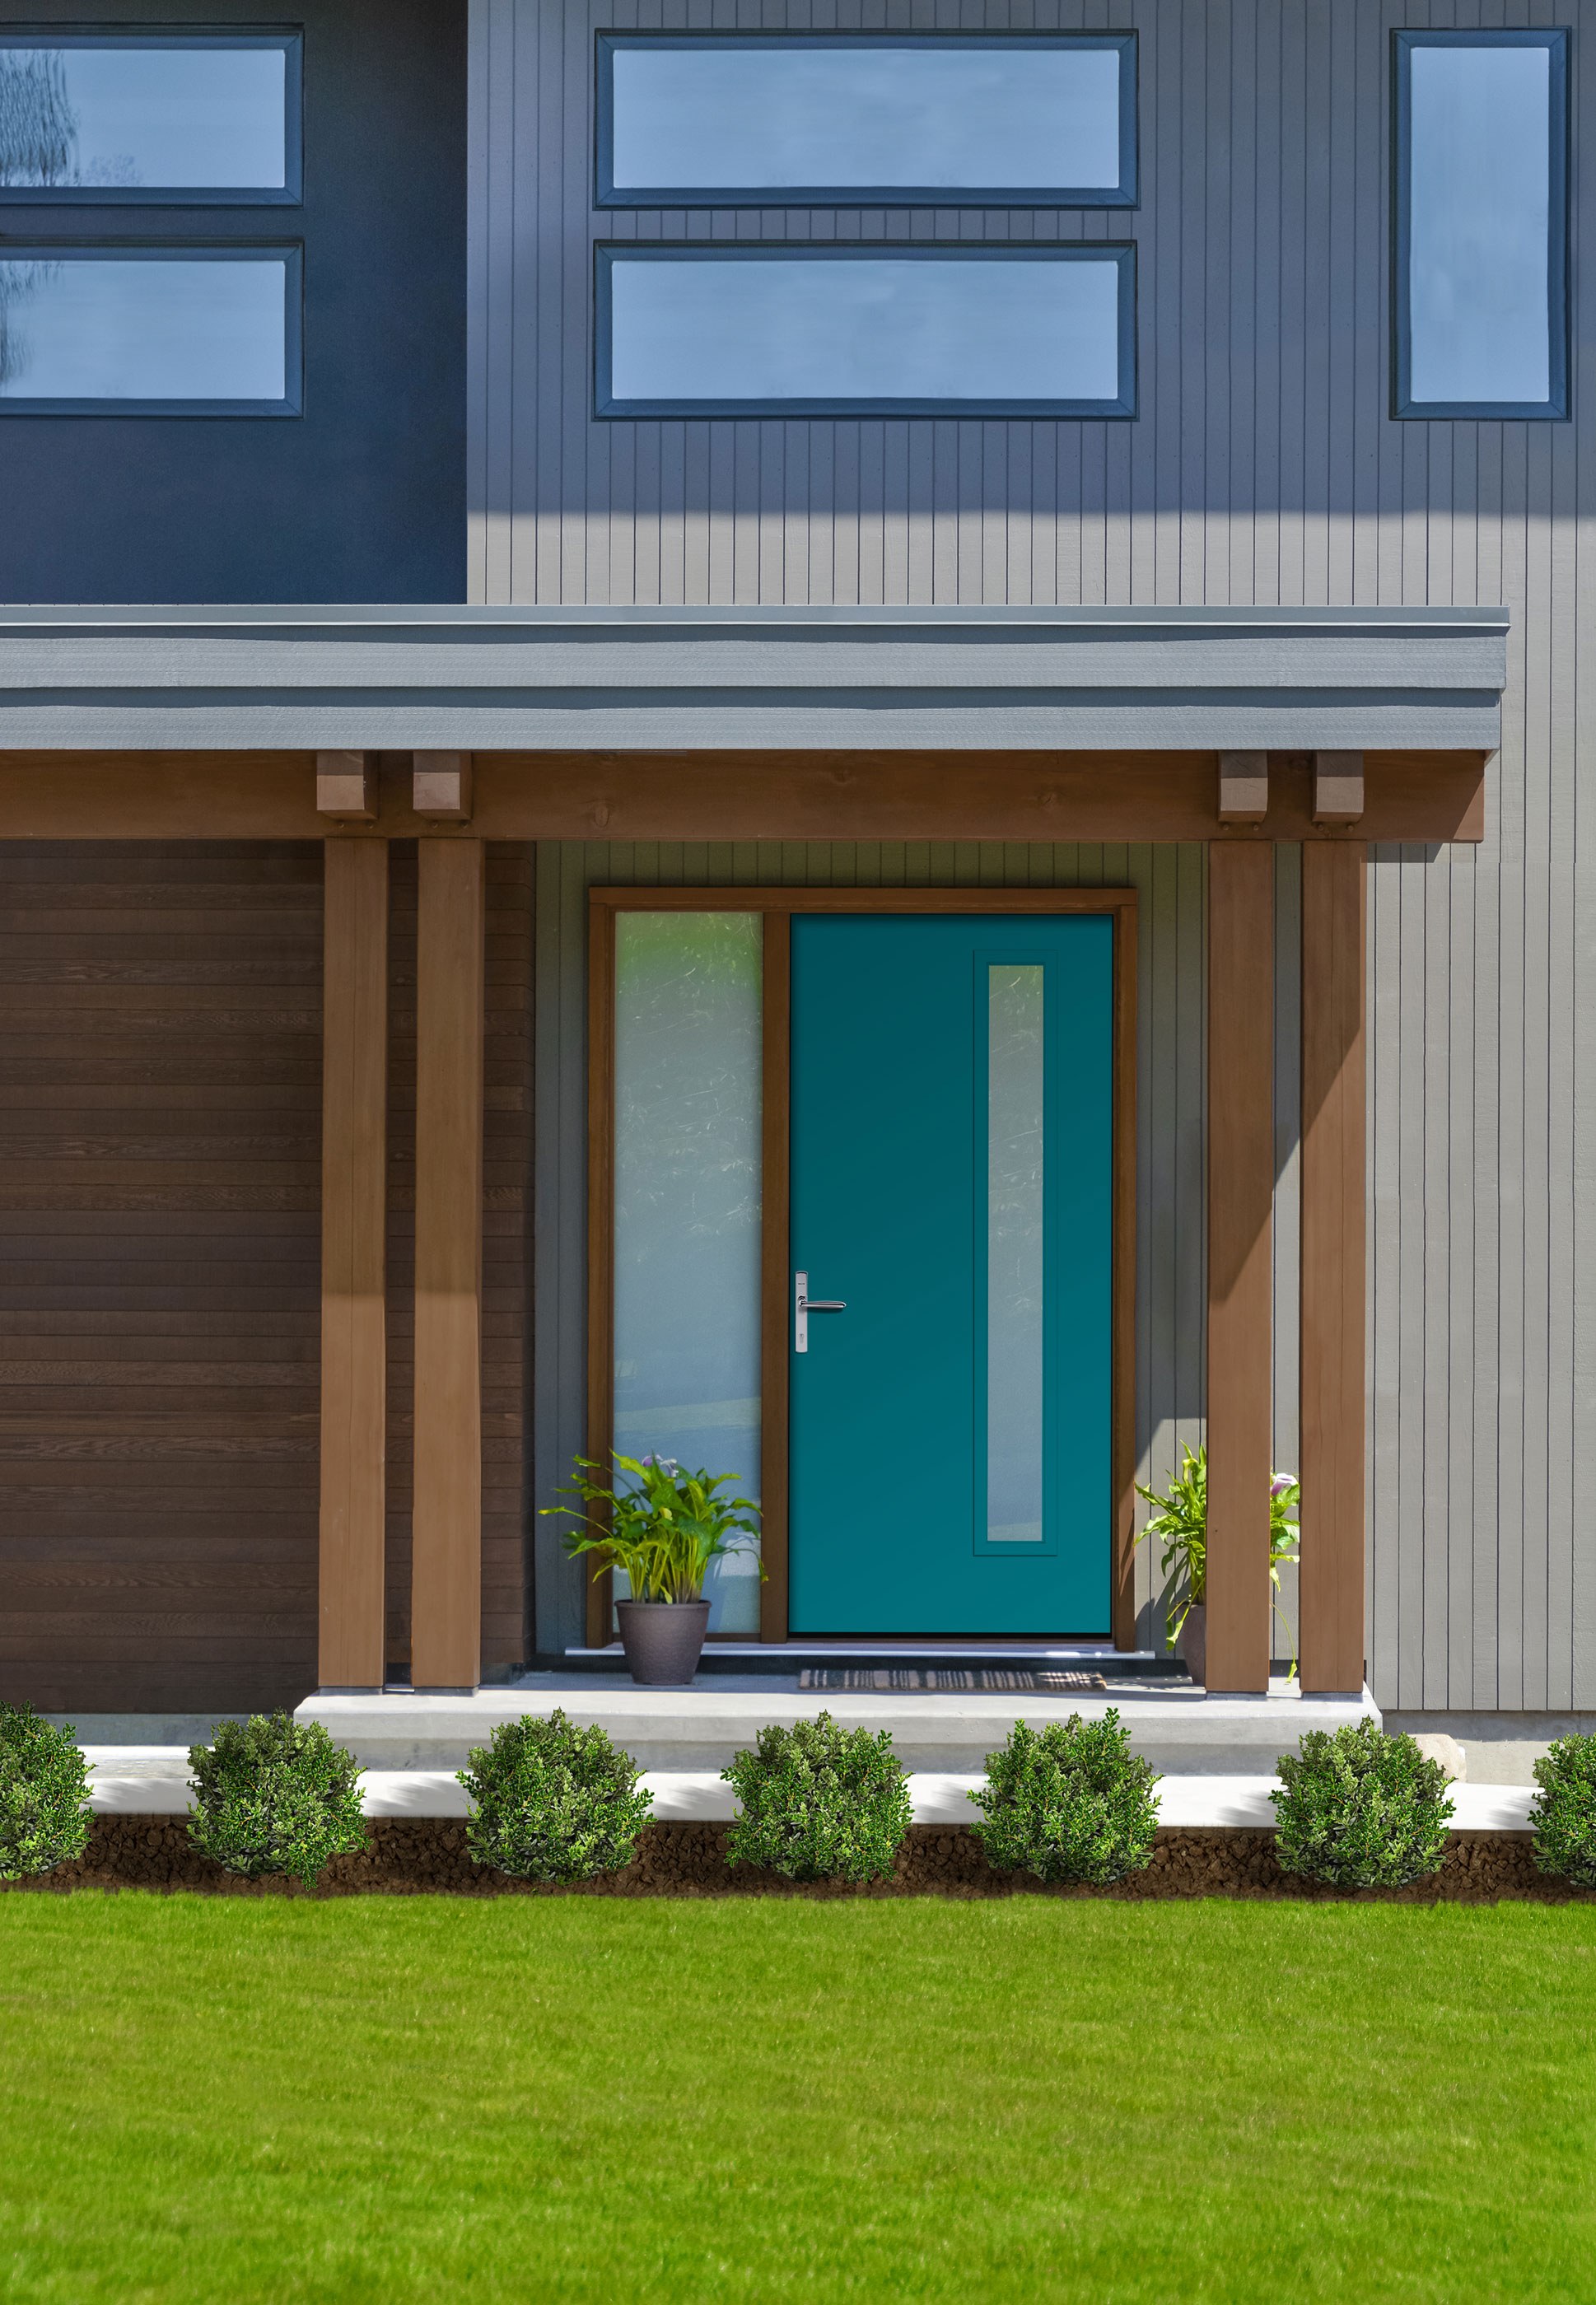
(38, 127)
(18, 282)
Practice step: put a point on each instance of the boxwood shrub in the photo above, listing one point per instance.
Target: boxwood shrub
(1359, 1809)
(1071, 1803)
(1563, 1813)
(553, 1802)
(820, 1803)
(45, 1815)
(274, 1795)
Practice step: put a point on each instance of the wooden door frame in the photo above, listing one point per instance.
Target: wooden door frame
(778, 906)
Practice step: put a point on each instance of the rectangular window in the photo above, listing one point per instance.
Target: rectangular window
(806, 329)
(687, 1196)
(149, 117)
(150, 331)
(712, 120)
(1480, 278)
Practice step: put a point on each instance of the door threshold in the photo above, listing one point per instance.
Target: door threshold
(784, 1658)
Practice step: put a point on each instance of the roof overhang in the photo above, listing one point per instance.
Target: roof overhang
(955, 679)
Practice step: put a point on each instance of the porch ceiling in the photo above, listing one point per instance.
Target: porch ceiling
(954, 679)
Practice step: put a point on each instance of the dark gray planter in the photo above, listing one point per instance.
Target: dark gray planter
(663, 1640)
(1194, 1644)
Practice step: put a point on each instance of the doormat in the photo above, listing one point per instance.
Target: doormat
(951, 1681)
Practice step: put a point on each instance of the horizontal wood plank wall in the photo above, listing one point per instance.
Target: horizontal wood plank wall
(160, 1072)
(507, 1252)
(1169, 1093)
(1263, 467)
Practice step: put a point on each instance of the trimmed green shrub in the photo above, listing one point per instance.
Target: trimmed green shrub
(1071, 1804)
(274, 1795)
(45, 1815)
(820, 1803)
(552, 1802)
(1563, 1814)
(1361, 1810)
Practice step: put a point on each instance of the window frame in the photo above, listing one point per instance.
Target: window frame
(607, 408)
(1126, 194)
(289, 194)
(289, 254)
(1555, 408)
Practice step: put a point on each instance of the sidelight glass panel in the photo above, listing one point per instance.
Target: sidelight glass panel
(1479, 253)
(147, 116)
(1014, 1239)
(795, 117)
(128, 327)
(688, 1044)
(685, 331)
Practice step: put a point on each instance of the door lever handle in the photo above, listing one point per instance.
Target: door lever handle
(803, 1304)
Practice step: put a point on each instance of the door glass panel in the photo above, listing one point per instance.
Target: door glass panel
(1015, 1206)
(127, 327)
(688, 1042)
(151, 115)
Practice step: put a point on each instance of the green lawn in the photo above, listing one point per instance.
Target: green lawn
(401, 2100)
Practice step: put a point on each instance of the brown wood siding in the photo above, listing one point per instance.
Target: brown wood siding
(160, 1078)
(506, 1250)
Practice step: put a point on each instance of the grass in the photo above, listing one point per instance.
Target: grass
(399, 2101)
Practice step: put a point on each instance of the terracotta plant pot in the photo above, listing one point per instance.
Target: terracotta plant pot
(663, 1640)
(1194, 1644)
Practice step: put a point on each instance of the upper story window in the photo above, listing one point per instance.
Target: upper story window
(113, 299)
(1480, 277)
(713, 120)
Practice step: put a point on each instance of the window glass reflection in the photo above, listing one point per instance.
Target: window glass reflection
(120, 329)
(873, 330)
(1479, 154)
(688, 1101)
(1014, 1219)
(779, 114)
(160, 118)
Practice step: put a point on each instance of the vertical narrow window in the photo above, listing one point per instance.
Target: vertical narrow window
(1479, 280)
(1015, 1203)
(687, 1196)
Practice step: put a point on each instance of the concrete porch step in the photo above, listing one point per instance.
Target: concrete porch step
(1179, 1728)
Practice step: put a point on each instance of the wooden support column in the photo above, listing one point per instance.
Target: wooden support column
(353, 1340)
(1331, 1579)
(446, 1544)
(1241, 1177)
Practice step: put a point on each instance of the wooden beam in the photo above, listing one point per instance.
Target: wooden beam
(441, 787)
(1243, 787)
(447, 1540)
(1143, 796)
(346, 786)
(1331, 1579)
(1337, 787)
(354, 1308)
(1241, 1177)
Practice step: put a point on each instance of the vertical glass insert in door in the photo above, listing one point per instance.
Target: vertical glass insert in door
(687, 1197)
(1015, 1151)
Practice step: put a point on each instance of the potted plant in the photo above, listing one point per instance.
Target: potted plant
(1180, 1520)
(662, 1528)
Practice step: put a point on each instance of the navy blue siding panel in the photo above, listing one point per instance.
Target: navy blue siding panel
(364, 497)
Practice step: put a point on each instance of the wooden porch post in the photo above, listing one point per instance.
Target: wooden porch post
(1330, 1579)
(353, 1340)
(1241, 1177)
(447, 1548)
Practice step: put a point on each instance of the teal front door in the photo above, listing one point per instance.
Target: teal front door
(951, 1192)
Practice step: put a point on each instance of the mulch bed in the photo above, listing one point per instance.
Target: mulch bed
(419, 1857)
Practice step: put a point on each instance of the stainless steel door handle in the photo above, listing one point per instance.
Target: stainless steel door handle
(803, 1304)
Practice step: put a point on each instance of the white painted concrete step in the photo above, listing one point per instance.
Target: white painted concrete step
(152, 1780)
(1177, 1728)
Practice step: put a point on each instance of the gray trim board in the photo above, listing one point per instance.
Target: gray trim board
(828, 678)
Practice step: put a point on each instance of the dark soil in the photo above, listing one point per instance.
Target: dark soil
(417, 1857)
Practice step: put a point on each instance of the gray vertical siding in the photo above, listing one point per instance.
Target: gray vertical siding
(1263, 467)
(1170, 1282)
